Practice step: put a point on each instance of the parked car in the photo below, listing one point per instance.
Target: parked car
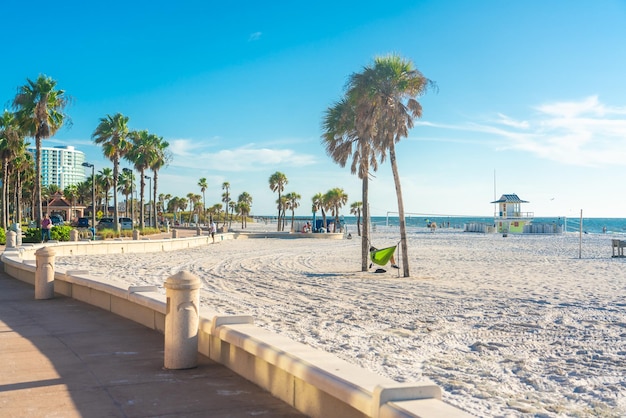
(107, 223)
(126, 223)
(82, 223)
(56, 220)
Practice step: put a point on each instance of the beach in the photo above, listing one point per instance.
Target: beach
(507, 326)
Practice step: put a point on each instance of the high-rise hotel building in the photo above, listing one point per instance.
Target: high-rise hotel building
(61, 165)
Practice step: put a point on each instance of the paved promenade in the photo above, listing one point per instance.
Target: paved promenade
(64, 358)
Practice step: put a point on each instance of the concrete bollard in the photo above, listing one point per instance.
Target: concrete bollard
(198, 231)
(11, 239)
(74, 235)
(174, 233)
(135, 234)
(44, 273)
(182, 317)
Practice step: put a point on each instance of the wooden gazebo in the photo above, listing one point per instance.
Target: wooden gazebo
(58, 205)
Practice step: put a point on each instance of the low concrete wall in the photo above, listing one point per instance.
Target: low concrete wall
(315, 382)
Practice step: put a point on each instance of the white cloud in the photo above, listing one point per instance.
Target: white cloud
(255, 36)
(585, 132)
(189, 154)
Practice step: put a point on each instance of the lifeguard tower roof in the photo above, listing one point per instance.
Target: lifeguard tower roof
(509, 198)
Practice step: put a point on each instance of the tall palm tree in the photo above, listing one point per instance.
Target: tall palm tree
(292, 201)
(343, 141)
(105, 182)
(141, 153)
(24, 173)
(278, 181)
(245, 204)
(161, 157)
(226, 198)
(385, 94)
(232, 205)
(112, 134)
(355, 209)
(203, 186)
(11, 145)
(195, 200)
(125, 188)
(40, 114)
(190, 200)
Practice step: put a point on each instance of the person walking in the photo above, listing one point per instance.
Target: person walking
(213, 230)
(46, 226)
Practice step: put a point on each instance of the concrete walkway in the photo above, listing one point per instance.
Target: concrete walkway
(64, 358)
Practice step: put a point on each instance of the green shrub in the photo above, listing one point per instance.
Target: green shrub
(3, 237)
(60, 233)
(32, 235)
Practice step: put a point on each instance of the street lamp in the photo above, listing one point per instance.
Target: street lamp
(132, 180)
(93, 199)
(149, 205)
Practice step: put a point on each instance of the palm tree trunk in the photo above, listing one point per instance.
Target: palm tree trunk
(18, 199)
(154, 196)
(5, 193)
(37, 213)
(403, 241)
(365, 240)
(142, 185)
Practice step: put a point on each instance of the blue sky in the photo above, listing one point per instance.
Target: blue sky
(531, 91)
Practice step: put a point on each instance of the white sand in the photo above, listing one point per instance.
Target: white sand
(516, 326)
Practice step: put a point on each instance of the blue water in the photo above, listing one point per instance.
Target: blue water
(590, 225)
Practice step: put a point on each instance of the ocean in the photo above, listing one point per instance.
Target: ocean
(590, 225)
(570, 225)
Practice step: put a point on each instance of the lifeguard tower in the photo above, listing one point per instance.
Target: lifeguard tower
(509, 216)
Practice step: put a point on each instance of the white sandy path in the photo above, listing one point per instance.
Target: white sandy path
(516, 326)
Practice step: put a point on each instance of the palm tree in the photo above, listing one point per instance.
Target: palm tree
(125, 188)
(112, 133)
(335, 199)
(195, 200)
(318, 204)
(292, 201)
(11, 145)
(40, 114)
(190, 200)
(172, 206)
(385, 95)
(71, 194)
(278, 181)
(161, 157)
(355, 209)
(343, 140)
(105, 181)
(24, 172)
(215, 211)
(226, 198)
(203, 186)
(139, 154)
(245, 203)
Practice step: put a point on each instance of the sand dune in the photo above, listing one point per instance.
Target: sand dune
(515, 326)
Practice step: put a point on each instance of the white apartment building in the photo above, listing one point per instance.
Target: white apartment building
(61, 165)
